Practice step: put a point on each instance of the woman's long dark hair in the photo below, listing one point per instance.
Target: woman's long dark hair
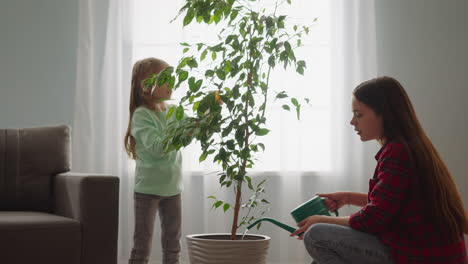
(138, 96)
(387, 97)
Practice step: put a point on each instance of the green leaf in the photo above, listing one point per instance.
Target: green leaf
(217, 204)
(199, 46)
(170, 112)
(287, 46)
(221, 179)
(254, 147)
(262, 132)
(195, 106)
(230, 144)
(262, 146)
(197, 85)
(291, 55)
(227, 67)
(221, 74)
(192, 63)
(179, 113)
(301, 63)
(260, 224)
(209, 73)
(188, 17)
(183, 75)
(286, 107)
(271, 61)
(242, 32)
(298, 111)
(261, 183)
(213, 55)
(203, 156)
(281, 24)
(217, 16)
(227, 9)
(294, 102)
(281, 95)
(183, 62)
(249, 182)
(240, 133)
(226, 207)
(211, 151)
(148, 82)
(230, 38)
(211, 197)
(165, 76)
(171, 82)
(284, 56)
(269, 22)
(300, 70)
(192, 85)
(185, 50)
(203, 55)
(234, 14)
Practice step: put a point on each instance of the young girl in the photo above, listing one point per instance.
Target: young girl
(158, 175)
(412, 213)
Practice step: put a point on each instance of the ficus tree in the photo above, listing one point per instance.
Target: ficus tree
(229, 90)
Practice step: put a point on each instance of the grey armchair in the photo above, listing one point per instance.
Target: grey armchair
(47, 214)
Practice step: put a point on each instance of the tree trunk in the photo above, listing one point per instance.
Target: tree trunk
(236, 211)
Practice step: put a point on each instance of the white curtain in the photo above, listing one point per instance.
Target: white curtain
(101, 99)
(320, 153)
(354, 60)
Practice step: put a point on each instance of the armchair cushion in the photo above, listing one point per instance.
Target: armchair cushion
(27, 237)
(29, 158)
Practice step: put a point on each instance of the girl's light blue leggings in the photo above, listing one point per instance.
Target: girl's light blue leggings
(335, 244)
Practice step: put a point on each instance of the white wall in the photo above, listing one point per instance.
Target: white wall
(424, 44)
(38, 41)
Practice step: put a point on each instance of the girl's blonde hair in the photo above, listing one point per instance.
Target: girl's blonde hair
(142, 69)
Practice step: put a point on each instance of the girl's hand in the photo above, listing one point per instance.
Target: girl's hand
(335, 201)
(306, 223)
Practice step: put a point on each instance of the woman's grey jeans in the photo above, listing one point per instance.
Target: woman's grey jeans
(335, 244)
(170, 214)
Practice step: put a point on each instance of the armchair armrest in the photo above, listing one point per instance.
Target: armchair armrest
(93, 200)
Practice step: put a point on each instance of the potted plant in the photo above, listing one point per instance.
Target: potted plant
(228, 93)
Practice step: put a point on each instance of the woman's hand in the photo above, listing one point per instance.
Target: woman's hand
(336, 200)
(306, 223)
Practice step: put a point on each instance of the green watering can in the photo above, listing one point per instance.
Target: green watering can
(314, 206)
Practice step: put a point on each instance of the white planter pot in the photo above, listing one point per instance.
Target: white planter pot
(219, 249)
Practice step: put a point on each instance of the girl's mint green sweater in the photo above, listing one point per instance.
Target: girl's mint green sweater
(156, 172)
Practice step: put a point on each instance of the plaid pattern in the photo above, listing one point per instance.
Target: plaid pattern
(395, 214)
